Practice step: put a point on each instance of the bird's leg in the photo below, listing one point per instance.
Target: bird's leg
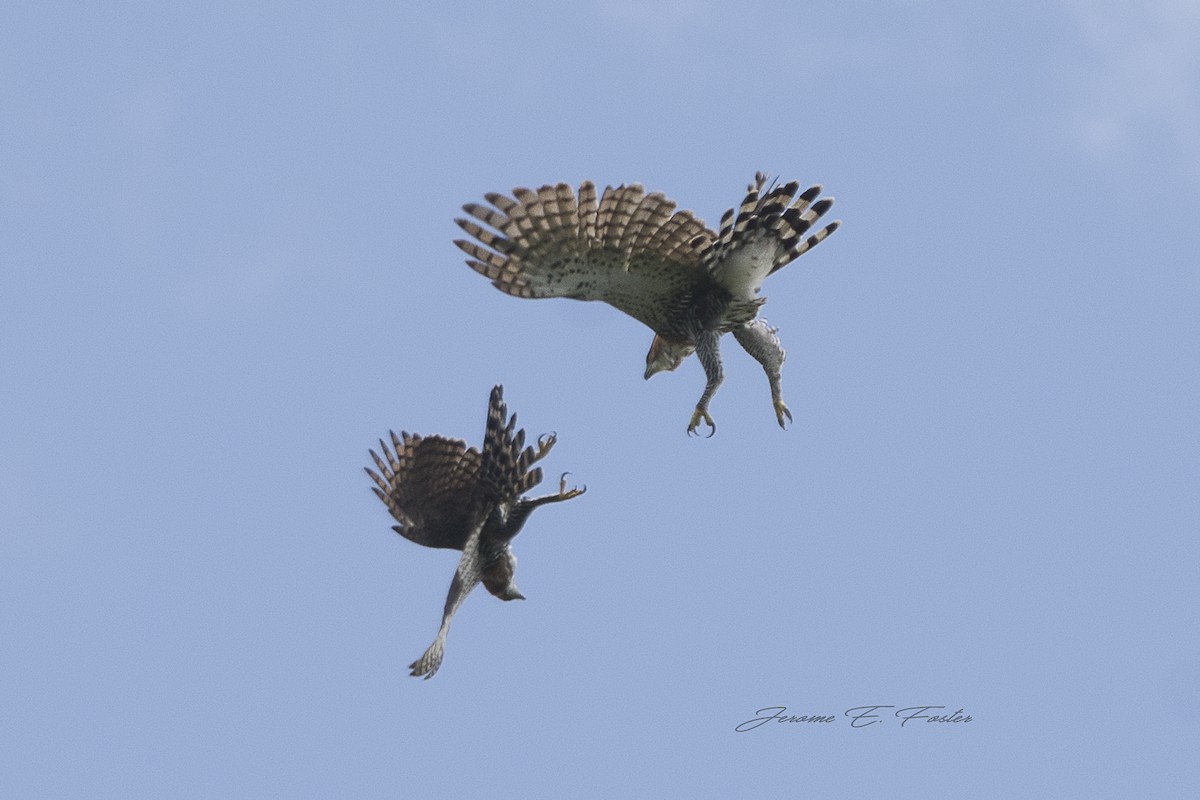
(758, 338)
(521, 509)
(708, 350)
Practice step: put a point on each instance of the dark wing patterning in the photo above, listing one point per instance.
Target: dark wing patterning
(430, 484)
(505, 473)
(631, 250)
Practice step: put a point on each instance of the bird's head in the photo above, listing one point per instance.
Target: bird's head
(498, 577)
(665, 355)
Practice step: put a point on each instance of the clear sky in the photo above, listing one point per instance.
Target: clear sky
(226, 269)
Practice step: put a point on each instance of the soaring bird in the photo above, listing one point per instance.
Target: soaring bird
(445, 494)
(663, 267)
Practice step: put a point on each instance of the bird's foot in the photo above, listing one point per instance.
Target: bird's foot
(566, 494)
(781, 411)
(701, 414)
(544, 443)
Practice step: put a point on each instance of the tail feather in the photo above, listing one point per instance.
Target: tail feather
(504, 471)
(428, 664)
(794, 247)
(771, 216)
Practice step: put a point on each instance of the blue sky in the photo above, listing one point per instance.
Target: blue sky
(226, 269)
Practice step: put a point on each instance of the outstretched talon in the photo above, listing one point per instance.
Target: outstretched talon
(567, 494)
(781, 411)
(701, 414)
(544, 443)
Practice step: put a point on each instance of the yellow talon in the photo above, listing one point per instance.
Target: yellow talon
(781, 411)
(545, 442)
(701, 414)
(563, 492)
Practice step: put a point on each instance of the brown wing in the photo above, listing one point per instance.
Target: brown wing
(430, 484)
(631, 250)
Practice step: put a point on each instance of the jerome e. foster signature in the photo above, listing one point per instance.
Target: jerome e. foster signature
(859, 716)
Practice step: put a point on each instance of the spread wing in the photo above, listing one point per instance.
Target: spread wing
(631, 250)
(431, 486)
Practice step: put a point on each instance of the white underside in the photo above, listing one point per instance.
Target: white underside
(743, 271)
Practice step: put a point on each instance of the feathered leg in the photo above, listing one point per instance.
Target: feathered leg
(708, 350)
(758, 338)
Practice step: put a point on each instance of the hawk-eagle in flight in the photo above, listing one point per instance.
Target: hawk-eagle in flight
(663, 267)
(445, 494)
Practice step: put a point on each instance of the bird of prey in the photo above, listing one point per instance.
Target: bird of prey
(663, 267)
(445, 494)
